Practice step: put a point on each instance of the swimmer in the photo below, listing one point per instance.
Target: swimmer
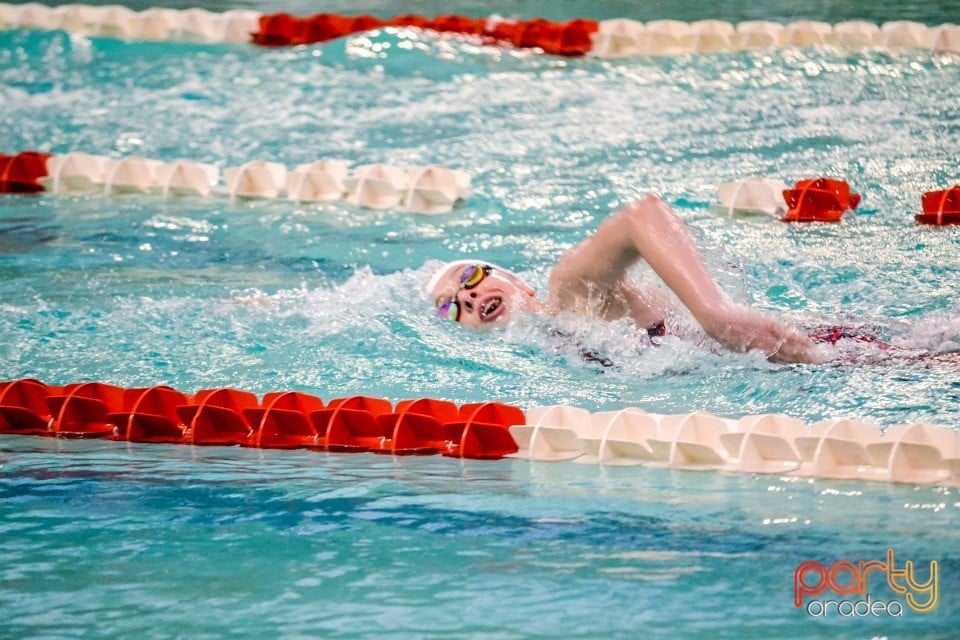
(591, 279)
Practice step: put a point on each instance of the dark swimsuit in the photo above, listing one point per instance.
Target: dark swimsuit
(834, 334)
(657, 330)
(830, 334)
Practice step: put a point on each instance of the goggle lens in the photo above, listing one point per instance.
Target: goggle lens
(449, 311)
(472, 276)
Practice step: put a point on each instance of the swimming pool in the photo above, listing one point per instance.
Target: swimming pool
(108, 539)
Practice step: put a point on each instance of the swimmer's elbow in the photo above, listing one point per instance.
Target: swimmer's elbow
(644, 206)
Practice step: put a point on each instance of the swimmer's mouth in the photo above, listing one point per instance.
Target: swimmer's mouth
(491, 308)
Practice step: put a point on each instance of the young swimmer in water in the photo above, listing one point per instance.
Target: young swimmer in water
(591, 279)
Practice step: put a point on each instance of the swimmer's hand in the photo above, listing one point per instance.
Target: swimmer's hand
(741, 329)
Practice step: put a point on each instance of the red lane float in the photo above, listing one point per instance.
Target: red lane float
(150, 415)
(481, 433)
(82, 410)
(417, 426)
(819, 200)
(283, 420)
(217, 417)
(21, 173)
(572, 38)
(351, 424)
(23, 407)
(940, 207)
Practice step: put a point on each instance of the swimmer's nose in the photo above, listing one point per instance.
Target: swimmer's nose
(465, 298)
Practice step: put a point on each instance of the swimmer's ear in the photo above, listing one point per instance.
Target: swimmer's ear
(523, 286)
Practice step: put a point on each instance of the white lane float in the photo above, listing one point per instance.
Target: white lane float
(856, 34)
(434, 190)
(377, 186)
(620, 437)
(552, 433)
(945, 38)
(318, 181)
(617, 38)
(752, 196)
(184, 178)
(807, 33)
(74, 173)
(131, 174)
(755, 444)
(764, 444)
(760, 34)
(255, 179)
(904, 34)
(711, 36)
(428, 190)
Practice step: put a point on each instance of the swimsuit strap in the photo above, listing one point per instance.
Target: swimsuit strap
(656, 330)
(832, 335)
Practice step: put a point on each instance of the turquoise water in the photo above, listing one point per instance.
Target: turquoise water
(105, 539)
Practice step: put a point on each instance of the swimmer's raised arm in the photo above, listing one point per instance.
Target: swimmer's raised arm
(594, 272)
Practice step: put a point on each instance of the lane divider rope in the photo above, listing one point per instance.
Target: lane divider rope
(282, 420)
(608, 38)
(425, 190)
(755, 444)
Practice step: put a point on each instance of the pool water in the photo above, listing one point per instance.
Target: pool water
(109, 539)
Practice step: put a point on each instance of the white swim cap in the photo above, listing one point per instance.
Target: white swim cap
(451, 267)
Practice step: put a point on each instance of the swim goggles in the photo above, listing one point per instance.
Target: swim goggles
(473, 275)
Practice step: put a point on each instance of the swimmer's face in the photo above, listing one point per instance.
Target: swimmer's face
(479, 295)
